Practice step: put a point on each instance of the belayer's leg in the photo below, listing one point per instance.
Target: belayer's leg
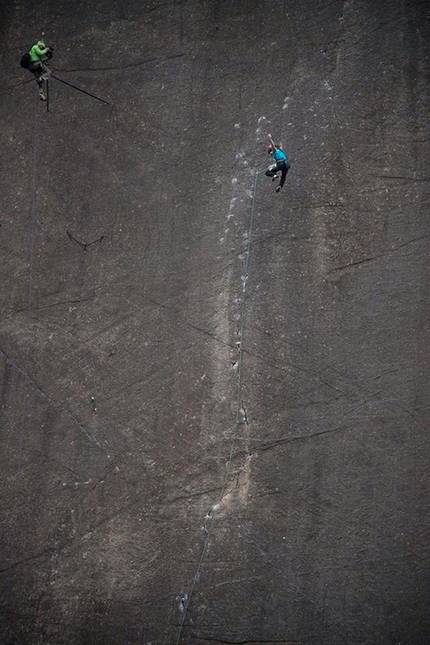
(40, 72)
(36, 70)
(40, 83)
(45, 72)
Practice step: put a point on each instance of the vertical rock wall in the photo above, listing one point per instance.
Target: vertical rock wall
(214, 398)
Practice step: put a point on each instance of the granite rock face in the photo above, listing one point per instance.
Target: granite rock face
(214, 415)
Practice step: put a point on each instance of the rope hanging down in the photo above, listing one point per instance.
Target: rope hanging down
(237, 422)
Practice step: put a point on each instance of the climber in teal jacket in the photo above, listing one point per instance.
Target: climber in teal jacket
(281, 164)
(39, 55)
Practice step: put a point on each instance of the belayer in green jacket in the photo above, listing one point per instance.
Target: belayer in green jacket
(39, 55)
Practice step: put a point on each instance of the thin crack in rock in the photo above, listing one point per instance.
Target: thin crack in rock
(247, 642)
(197, 494)
(55, 304)
(234, 582)
(383, 254)
(284, 440)
(121, 67)
(353, 264)
(84, 245)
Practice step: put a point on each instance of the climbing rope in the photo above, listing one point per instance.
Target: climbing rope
(239, 416)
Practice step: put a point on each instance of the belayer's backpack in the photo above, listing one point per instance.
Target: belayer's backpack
(25, 60)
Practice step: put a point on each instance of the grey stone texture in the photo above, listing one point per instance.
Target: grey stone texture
(214, 399)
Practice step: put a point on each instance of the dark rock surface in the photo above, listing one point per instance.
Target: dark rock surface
(214, 399)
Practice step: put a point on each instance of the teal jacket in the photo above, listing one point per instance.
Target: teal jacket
(38, 52)
(279, 155)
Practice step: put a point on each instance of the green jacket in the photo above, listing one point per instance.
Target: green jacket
(38, 53)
